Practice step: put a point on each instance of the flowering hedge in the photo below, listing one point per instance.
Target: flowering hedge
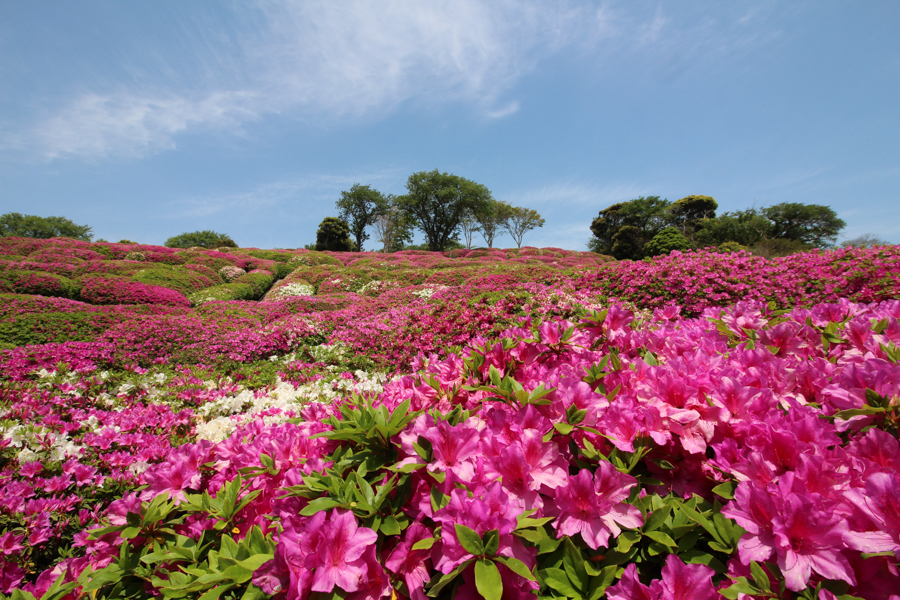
(528, 422)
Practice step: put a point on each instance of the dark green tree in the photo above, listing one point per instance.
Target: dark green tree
(665, 241)
(436, 202)
(203, 239)
(360, 207)
(334, 234)
(647, 215)
(31, 226)
(690, 212)
(628, 243)
(811, 224)
(745, 227)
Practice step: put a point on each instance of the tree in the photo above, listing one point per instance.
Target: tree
(521, 220)
(31, 226)
(393, 229)
(492, 219)
(647, 215)
(665, 241)
(468, 226)
(745, 227)
(628, 243)
(334, 234)
(360, 207)
(436, 203)
(811, 224)
(690, 212)
(203, 239)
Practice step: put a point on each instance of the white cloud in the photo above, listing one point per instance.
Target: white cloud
(307, 193)
(96, 126)
(320, 60)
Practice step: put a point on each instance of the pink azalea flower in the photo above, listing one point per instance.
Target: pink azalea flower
(881, 503)
(679, 581)
(411, 564)
(339, 560)
(592, 505)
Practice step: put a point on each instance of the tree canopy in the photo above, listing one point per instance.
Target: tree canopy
(31, 226)
(492, 219)
(203, 239)
(521, 220)
(360, 208)
(436, 203)
(334, 234)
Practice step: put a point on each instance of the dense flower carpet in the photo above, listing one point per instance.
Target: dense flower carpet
(497, 424)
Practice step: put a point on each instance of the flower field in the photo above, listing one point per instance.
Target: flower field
(475, 424)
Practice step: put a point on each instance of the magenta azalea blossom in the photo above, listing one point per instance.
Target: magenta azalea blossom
(592, 505)
(679, 581)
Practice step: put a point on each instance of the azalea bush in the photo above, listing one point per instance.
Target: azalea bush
(539, 423)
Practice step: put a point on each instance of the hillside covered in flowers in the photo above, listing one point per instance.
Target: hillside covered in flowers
(493, 424)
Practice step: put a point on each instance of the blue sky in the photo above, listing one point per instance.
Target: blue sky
(149, 119)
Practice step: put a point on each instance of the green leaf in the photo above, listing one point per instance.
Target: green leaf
(424, 544)
(657, 518)
(760, 577)
(599, 583)
(487, 579)
(573, 564)
(390, 526)
(437, 584)
(491, 542)
(217, 591)
(743, 587)
(317, 505)
(662, 538)
(469, 539)
(517, 566)
(438, 499)
(563, 428)
(725, 490)
(627, 539)
(557, 579)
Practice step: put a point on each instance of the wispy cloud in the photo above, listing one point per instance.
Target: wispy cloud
(319, 60)
(307, 193)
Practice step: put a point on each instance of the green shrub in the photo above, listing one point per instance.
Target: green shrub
(258, 280)
(56, 327)
(226, 291)
(665, 241)
(185, 281)
(312, 259)
(282, 270)
(778, 248)
(730, 247)
(203, 239)
(38, 283)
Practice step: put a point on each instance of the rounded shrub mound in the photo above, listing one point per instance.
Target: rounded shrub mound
(181, 280)
(37, 283)
(665, 241)
(117, 290)
(224, 292)
(259, 280)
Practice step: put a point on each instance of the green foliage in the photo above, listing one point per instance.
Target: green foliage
(55, 327)
(628, 243)
(745, 227)
(731, 247)
(31, 226)
(360, 207)
(179, 279)
(203, 239)
(811, 224)
(778, 248)
(214, 566)
(393, 228)
(521, 220)
(693, 209)
(491, 219)
(38, 283)
(665, 241)
(437, 201)
(260, 282)
(646, 216)
(333, 234)
(224, 292)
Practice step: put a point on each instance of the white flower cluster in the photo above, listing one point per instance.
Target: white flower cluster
(428, 292)
(230, 273)
(38, 443)
(229, 412)
(291, 289)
